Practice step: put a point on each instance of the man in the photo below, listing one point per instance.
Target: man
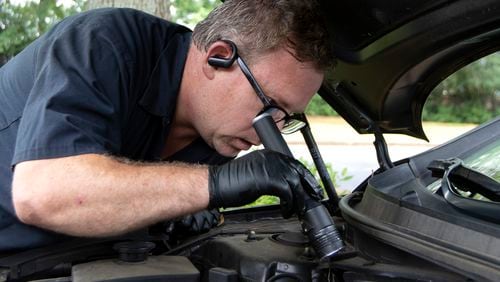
(115, 120)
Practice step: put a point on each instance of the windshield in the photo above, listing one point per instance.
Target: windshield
(486, 160)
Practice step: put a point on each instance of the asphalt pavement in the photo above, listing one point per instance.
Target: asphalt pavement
(335, 131)
(342, 147)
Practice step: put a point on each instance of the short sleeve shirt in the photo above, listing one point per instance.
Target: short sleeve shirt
(104, 81)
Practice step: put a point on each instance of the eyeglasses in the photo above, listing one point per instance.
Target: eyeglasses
(289, 123)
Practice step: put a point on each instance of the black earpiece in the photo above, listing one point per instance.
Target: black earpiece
(225, 62)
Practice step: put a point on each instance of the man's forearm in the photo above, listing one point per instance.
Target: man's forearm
(95, 195)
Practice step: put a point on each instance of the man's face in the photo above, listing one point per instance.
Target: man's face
(226, 123)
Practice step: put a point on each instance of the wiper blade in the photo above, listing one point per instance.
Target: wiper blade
(455, 176)
(467, 179)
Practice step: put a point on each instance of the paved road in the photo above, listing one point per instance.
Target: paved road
(343, 147)
(360, 160)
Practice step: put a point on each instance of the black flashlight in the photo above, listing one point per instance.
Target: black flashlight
(316, 222)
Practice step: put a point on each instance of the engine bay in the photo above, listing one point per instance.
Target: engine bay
(251, 245)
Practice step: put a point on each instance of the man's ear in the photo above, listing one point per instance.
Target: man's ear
(221, 54)
(224, 61)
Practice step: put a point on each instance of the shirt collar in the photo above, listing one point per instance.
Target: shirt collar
(163, 87)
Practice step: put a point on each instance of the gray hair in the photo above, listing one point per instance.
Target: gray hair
(260, 26)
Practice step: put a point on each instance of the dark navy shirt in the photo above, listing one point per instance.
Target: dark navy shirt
(104, 81)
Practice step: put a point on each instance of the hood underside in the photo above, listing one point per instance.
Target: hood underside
(391, 54)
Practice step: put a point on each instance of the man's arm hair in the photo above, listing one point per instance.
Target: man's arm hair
(95, 195)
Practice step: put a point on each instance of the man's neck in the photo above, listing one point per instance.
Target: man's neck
(177, 139)
(182, 131)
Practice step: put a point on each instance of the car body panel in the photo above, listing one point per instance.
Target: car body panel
(386, 71)
(397, 207)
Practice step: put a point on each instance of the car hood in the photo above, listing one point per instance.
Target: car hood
(391, 54)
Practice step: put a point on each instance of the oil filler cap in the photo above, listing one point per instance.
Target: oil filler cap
(133, 251)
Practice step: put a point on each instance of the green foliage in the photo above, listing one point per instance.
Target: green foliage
(190, 12)
(318, 107)
(264, 201)
(21, 24)
(471, 94)
(337, 178)
(467, 112)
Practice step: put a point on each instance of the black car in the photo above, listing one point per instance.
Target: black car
(431, 217)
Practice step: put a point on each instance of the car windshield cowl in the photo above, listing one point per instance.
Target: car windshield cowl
(457, 179)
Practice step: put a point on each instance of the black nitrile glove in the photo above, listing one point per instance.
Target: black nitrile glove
(258, 173)
(193, 224)
(200, 222)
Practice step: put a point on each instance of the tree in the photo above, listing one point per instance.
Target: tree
(160, 8)
(472, 94)
(21, 24)
(190, 12)
(187, 12)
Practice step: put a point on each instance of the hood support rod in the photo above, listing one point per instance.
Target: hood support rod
(333, 198)
(383, 158)
(338, 98)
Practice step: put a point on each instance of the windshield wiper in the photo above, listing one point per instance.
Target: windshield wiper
(455, 176)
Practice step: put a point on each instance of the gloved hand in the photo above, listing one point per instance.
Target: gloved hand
(192, 224)
(200, 222)
(258, 173)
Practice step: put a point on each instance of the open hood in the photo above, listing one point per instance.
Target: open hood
(391, 54)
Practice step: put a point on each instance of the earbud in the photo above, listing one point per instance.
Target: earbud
(225, 62)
